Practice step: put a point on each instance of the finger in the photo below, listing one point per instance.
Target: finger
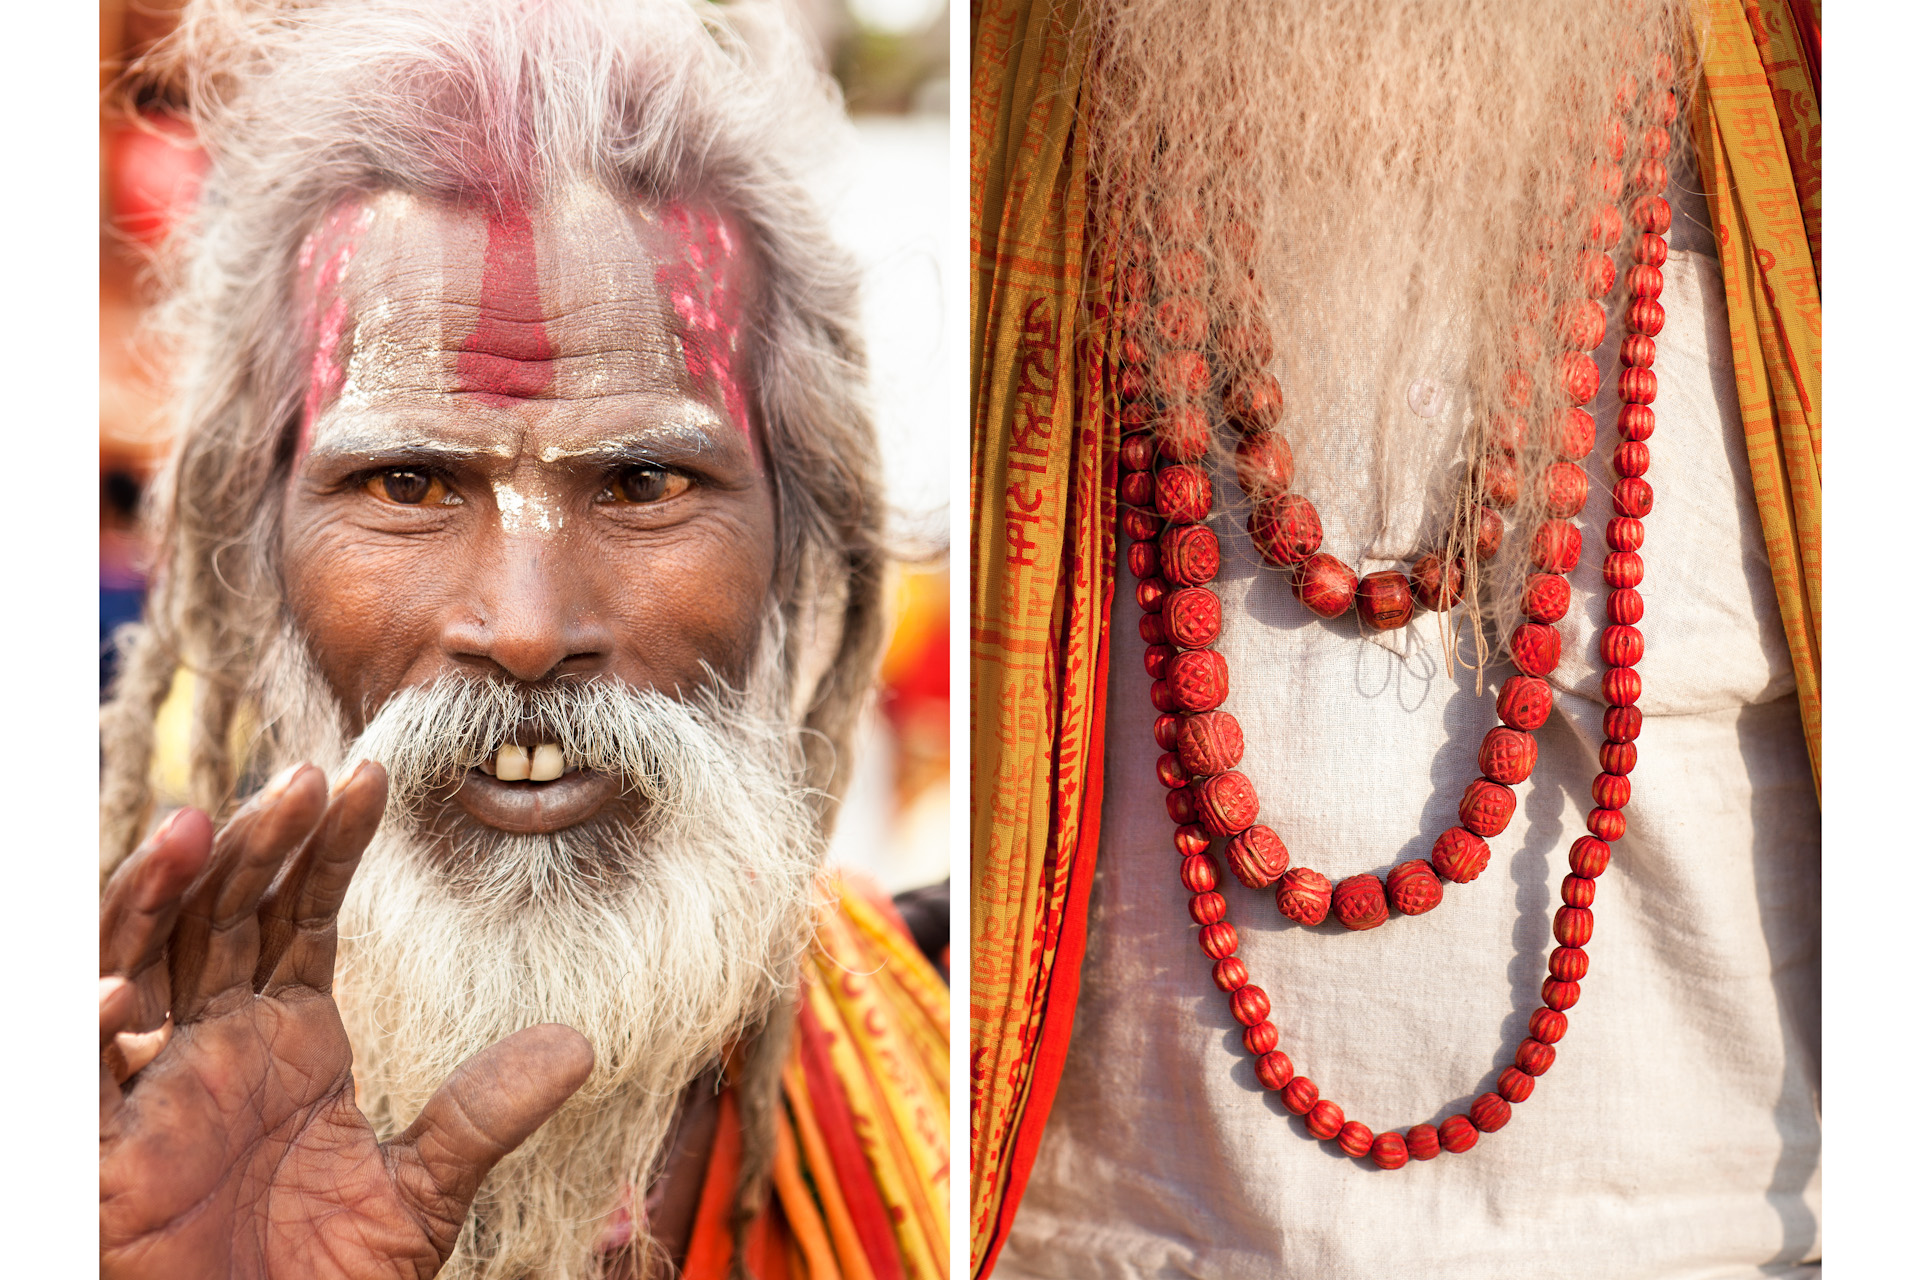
(216, 943)
(116, 1012)
(299, 916)
(490, 1104)
(141, 904)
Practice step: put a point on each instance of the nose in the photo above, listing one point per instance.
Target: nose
(530, 613)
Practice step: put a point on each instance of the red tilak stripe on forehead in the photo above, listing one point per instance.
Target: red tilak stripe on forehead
(508, 357)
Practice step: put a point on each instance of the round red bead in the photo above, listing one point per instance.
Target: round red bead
(1622, 646)
(1182, 321)
(1652, 214)
(1459, 854)
(1573, 434)
(1573, 926)
(1325, 1119)
(1533, 1057)
(1607, 824)
(1286, 530)
(1325, 585)
(1184, 433)
(1299, 1095)
(1644, 281)
(1304, 895)
(1355, 1139)
(1413, 888)
(1596, 270)
(1182, 493)
(1150, 594)
(1632, 496)
(1489, 1112)
(1624, 533)
(1137, 452)
(1508, 431)
(1210, 742)
(1536, 648)
(1623, 569)
(1254, 404)
(1581, 325)
(1230, 974)
(1547, 597)
(1457, 1134)
(1219, 940)
(1139, 525)
(1257, 857)
(1557, 995)
(1637, 351)
(1170, 771)
(1579, 376)
(1556, 546)
(1162, 695)
(1487, 807)
(1389, 1150)
(1157, 657)
(1153, 629)
(1207, 908)
(1621, 686)
(1360, 902)
(1198, 873)
(1190, 838)
(1566, 964)
(1518, 392)
(1275, 1070)
(1625, 605)
(1432, 587)
(1515, 1085)
(1638, 386)
(1645, 316)
(1649, 248)
(1260, 1039)
(1131, 382)
(1621, 724)
(1636, 422)
(1565, 487)
(1136, 488)
(1611, 791)
(1193, 617)
(1197, 680)
(1525, 702)
(1576, 891)
(1619, 757)
(1248, 343)
(1589, 856)
(1143, 558)
(1263, 464)
(1250, 1005)
(1547, 1025)
(1603, 226)
(1182, 271)
(1488, 533)
(1189, 554)
(1166, 729)
(1423, 1142)
(1226, 804)
(1508, 755)
(1384, 600)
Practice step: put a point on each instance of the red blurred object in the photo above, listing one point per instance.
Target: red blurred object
(154, 167)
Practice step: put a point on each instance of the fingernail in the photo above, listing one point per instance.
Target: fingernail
(165, 829)
(279, 781)
(109, 985)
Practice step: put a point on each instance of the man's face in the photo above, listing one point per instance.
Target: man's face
(526, 454)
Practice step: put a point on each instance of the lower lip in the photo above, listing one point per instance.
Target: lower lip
(531, 808)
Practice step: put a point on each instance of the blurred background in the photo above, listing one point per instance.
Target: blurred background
(888, 202)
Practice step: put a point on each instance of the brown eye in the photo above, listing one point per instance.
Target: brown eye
(408, 488)
(648, 484)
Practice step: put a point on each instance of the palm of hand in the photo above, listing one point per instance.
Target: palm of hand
(239, 1151)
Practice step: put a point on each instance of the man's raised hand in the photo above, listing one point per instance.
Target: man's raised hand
(237, 1150)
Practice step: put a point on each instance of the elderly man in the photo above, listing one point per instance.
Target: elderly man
(522, 485)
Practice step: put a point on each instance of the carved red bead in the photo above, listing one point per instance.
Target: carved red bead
(1565, 488)
(1219, 940)
(1488, 533)
(1226, 803)
(1210, 742)
(1508, 755)
(1603, 226)
(1611, 791)
(1487, 807)
(1304, 895)
(1197, 680)
(1179, 373)
(1131, 382)
(1622, 646)
(1515, 1085)
(1547, 597)
(1185, 435)
(1632, 496)
(1607, 824)
(1621, 724)
(1189, 554)
(1589, 856)
(1622, 569)
(1193, 617)
(1556, 546)
(1413, 888)
(1533, 1057)
(1581, 325)
(1255, 403)
(1489, 1112)
(1384, 600)
(1325, 585)
(1171, 773)
(1199, 874)
(1136, 489)
(1182, 321)
(1579, 376)
(1139, 525)
(1263, 464)
(1646, 316)
(1360, 902)
(1651, 249)
(1536, 648)
(1325, 1119)
(1624, 533)
(1636, 421)
(1459, 854)
(1182, 493)
(1161, 693)
(1285, 530)
(1182, 271)
(1637, 351)
(1621, 686)
(1558, 995)
(1518, 393)
(1166, 729)
(1191, 838)
(1638, 386)
(1525, 702)
(1619, 757)
(1275, 1070)
(1573, 926)
(1250, 1005)
(1355, 1139)
(1261, 1039)
(1596, 270)
(1230, 974)
(1206, 908)
(1389, 1150)
(1573, 434)
(1652, 214)
(1257, 857)
(1153, 629)
(1644, 281)
(1149, 594)
(1566, 964)
(1434, 587)
(1423, 1142)
(1547, 1025)
(1457, 1134)
(1137, 452)
(1299, 1095)
(1143, 558)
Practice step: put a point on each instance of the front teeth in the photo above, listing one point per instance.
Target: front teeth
(513, 764)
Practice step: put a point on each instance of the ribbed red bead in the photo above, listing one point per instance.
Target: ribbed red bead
(1624, 533)
(1182, 321)
(1589, 856)
(1193, 617)
(1607, 824)
(1189, 554)
(1131, 382)
(1197, 680)
(1632, 496)
(1230, 974)
(1389, 1150)
(1565, 488)
(1625, 605)
(1573, 434)
(1137, 452)
(1514, 1085)
(1206, 908)
(1436, 584)
(1134, 415)
(1182, 271)
(1581, 325)
(1508, 431)
(1646, 316)
(1209, 742)
(1304, 895)
(1162, 693)
(1257, 857)
(1637, 351)
(1556, 546)
(1139, 525)
(1423, 1142)
(1636, 422)
(1325, 585)
(1623, 569)
(1254, 404)
(1606, 179)
(1153, 629)
(1533, 1057)
(1143, 558)
(1190, 838)
(1412, 887)
(1226, 804)
(1621, 687)
(1567, 964)
(1459, 854)
(1275, 1070)
(1487, 807)
(1596, 271)
(1219, 940)
(1619, 757)
(1547, 1025)
(1508, 755)
(1136, 489)
(1489, 1112)
(1260, 1039)
(1198, 873)
(1631, 458)
(1650, 175)
(1182, 493)
(1457, 1134)
(1263, 464)
(1156, 659)
(1579, 376)
(1651, 249)
(1547, 597)
(1652, 214)
(1250, 1005)
(1325, 1119)
(1644, 281)
(1166, 730)
(1638, 386)
(1573, 926)
(1286, 530)
(1360, 902)
(1170, 771)
(1150, 594)
(1525, 702)
(1299, 1095)
(1518, 390)
(1249, 344)
(1611, 791)
(1621, 724)
(1603, 226)
(1184, 433)
(1622, 646)
(1558, 995)
(1576, 891)
(1536, 648)
(1355, 1139)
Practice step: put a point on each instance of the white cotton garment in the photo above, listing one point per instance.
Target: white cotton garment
(1676, 1136)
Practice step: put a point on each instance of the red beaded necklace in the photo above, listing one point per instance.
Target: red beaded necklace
(1165, 496)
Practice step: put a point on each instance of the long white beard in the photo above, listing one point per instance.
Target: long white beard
(662, 942)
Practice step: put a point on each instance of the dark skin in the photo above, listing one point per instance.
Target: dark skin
(611, 521)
